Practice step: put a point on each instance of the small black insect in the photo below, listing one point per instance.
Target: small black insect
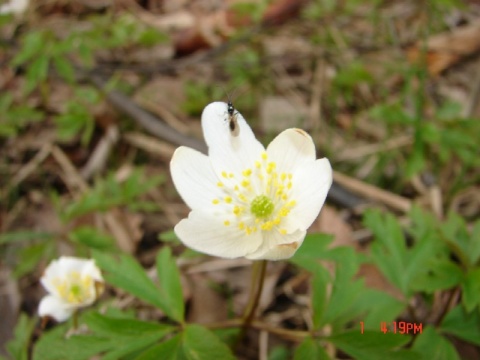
(232, 118)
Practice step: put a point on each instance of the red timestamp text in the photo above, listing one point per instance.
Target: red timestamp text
(397, 327)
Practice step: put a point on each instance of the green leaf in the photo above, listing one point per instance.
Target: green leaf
(195, 343)
(471, 290)
(345, 289)
(126, 273)
(314, 248)
(465, 326)
(423, 266)
(388, 250)
(112, 336)
(200, 343)
(132, 345)
(373, 345)
(168, 350)
(37, 72)
(279, 353)
(123, 327)
(320, 282)
(64, 68)
(378, 307)
(169, 280)
(20, 236)
(434, 346)
(464, 245)
(19, 345)
(168, 237)
(32, 46)
(311, 350)
(437, 274)
(54, 346)
(92, 238)
(30, 256)
(474, 249)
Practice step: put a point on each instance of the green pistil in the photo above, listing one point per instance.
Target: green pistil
(262, 206)
(76, 291)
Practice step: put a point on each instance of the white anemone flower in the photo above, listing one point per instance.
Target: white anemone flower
(72, 283)
(245, 200)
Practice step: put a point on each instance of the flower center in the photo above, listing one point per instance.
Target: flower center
(261, 206)
(74, 288)
(242, 193)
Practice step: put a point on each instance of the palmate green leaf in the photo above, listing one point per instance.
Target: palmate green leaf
(52, 345)
(433, 346)
(424, 266)
(373, 345)
(311, 350)
(320, 282)
(19, 345)
(378, 307)
(314, 248)
(168, 350)
(466, 246)
(389, 249)
(437, 274)
(126, 273)
(344, 293)
(33, 44)
(200, 343)
(64, 68)
(116, 327)
(463, 325)
(336, 306)
(37, 72)
(471, 289)
(130, 346)
(112, 337)
(170, 285)
(194, 343)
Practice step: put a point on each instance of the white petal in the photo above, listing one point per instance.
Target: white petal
(277, 246)
(194, 178)
(91, 269)
(291, 149)
(55, 308)
(229, 153)
(207, 233)
(63, 267)
(311, 183)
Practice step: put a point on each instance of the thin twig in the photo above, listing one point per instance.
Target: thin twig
(369, 191)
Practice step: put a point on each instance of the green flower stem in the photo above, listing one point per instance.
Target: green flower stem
(256, 286)
(75, 320)
(258, 279)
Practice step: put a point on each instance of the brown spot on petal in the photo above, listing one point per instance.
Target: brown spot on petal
(293, 245)
(99, 288)
(301, 132)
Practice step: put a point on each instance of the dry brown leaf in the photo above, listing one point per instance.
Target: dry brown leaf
(448, 48)
(374, 279)
(207, 305)
(330, 222)
(212, 29)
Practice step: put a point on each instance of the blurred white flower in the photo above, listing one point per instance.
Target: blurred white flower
(72, 283)
(247, 201)
(14, 7)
